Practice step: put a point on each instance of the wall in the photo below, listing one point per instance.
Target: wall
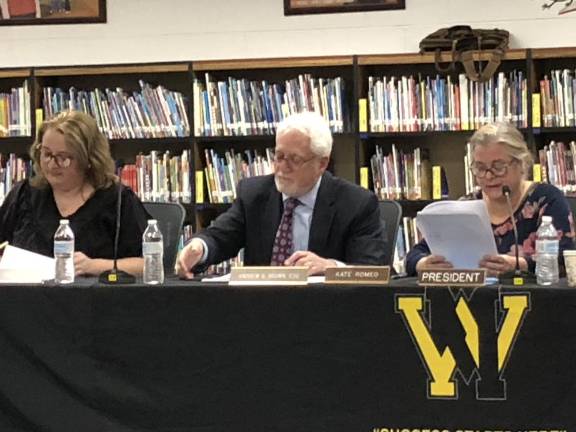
(146, 31)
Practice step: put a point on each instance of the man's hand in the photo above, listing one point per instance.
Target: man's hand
(189, 257)
(314, 263)
(433, 262)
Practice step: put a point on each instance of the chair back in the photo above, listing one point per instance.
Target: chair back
(572, 203)
(170, 217)
(390, 217)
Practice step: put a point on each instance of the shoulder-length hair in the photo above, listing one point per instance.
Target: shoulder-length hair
(88, 146)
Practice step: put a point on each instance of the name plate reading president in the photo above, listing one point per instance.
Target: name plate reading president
(269, 276)
(452, 277)
(358, 275)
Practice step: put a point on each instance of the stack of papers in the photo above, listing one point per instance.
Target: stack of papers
(460, 231)
(22, 266)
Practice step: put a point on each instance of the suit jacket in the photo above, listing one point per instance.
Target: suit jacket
(345, 224)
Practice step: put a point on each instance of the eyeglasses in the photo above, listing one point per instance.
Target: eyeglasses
(293, 161)
(60, 159)
(498, 168)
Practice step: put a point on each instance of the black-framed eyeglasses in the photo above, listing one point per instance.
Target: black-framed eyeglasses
(498, 168)
(293, 161)
(61, 160)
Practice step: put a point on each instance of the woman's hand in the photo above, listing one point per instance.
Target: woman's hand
(498, 264)
(83, 265)
(433, 262)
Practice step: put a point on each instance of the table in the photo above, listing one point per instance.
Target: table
(194, 357)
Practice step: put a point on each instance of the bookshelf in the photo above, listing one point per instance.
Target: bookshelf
(353, 146)
(274, 72)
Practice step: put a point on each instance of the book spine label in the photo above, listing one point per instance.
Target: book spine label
(536, 115)
(199, 187)
(362, 115)
(39, 117)
(537, 173)
(436, 182)
(364, 177)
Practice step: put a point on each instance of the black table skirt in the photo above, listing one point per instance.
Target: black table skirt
(191, 357)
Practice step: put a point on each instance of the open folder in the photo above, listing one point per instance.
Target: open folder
(22, 266)
(460, 231)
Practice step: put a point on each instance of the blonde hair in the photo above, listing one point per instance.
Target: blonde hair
(87, 144)
(507, 135)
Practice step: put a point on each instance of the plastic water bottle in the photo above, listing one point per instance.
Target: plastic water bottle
(64, 253)
(546, 252)
(153, 252)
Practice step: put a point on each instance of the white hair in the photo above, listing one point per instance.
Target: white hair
(314, 126)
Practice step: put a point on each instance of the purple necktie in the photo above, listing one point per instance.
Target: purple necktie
(283, 245)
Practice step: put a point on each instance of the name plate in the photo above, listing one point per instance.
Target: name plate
(358, 275)
(453, 277)
(269, 276)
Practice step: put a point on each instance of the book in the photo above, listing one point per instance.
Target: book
(362, 115)
(536, 115)
(364, 177)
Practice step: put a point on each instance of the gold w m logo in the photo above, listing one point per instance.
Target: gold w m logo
(472, 338)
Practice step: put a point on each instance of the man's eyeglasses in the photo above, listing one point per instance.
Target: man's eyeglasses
(293, 161)
(498, 168)
(60, 159)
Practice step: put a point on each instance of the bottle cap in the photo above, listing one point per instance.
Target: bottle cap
(64, 221)
(546, 218)
(152, 221)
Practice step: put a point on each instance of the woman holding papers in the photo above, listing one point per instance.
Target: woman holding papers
(74, 179)
(501, 159)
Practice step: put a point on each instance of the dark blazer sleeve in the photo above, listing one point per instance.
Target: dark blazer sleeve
(226, 236)
(365, 243)
(346, 224)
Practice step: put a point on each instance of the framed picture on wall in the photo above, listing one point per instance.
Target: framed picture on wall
(299, 7)
(30, 12)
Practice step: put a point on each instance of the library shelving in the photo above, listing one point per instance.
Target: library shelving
(372, 101)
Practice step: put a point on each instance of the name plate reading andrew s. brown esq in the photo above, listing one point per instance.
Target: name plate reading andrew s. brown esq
(269, 276)
(452, 277)
(358, 275)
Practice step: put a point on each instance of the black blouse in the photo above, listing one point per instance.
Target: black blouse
(29, 218)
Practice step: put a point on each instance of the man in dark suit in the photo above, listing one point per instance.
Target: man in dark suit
(299, 216)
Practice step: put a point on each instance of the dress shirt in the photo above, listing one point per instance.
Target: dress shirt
(303, 217)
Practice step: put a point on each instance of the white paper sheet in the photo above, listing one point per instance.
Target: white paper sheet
(460, 231)
(22, 266)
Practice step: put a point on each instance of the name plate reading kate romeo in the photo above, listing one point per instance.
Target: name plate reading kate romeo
(268, 276)
(358, 275)
(452, 277)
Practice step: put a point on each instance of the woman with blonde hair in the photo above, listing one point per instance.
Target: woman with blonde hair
(501, 159)
(74, 179)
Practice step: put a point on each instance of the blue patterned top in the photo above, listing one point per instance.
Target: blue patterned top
(541, 199)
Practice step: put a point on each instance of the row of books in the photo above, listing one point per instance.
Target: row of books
(154, 112)
(12, 170)
(222, 173)
(470, 183)
(557, 166)
(557, 98)
(160, 177)
(243, 107)
(412, 104)
(401, 175)
(15, 112)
